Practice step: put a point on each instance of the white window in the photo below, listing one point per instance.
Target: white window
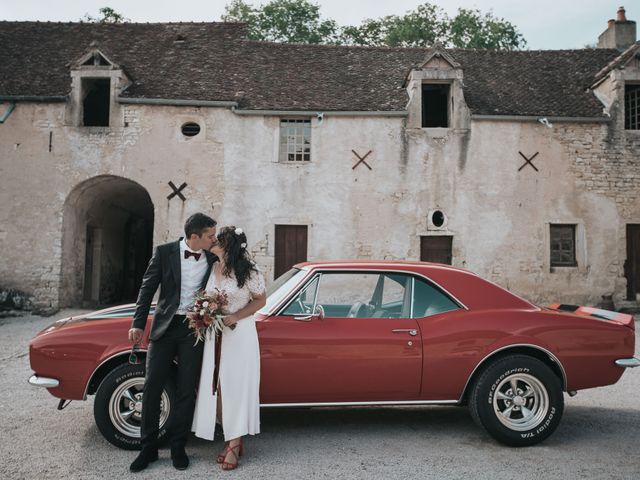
(295, 140)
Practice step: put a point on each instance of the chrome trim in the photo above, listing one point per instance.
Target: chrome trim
(299, 290)
(287, 298)
(349, 404)
(411, 331)
(45, 382)
(632, 362)
(378, 268)
(413, 297)
(315, 297)
(121, 353)
(537, 347)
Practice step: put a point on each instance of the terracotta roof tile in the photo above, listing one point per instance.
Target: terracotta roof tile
(216, 62)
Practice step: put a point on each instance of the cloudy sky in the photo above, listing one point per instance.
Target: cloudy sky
(545, 24)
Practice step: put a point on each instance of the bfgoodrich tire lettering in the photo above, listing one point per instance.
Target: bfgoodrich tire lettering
(118, 405)
(518, 400)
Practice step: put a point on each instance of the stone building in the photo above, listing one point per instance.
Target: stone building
(521, 166)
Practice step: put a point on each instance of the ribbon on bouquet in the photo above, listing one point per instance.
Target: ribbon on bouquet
(216, 368)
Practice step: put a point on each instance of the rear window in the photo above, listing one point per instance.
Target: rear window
(430, 300)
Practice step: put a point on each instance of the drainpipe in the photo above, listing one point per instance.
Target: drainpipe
(5, 115)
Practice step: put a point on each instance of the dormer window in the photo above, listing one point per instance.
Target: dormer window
(435, 105)
(96, 81)
(632, 107)
(96, 102)
(436, 102)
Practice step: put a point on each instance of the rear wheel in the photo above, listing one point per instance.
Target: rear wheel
(117, 408)
(518, 400)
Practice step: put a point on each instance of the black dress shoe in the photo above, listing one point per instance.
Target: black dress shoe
(179, 458)
(144, 458)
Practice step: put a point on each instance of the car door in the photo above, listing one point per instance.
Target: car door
(364, 347)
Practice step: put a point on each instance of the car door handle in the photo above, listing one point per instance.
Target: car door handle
(411, 331)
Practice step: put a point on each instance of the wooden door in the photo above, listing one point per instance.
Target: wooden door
(436, 249)
(632, 264)
(290, 248)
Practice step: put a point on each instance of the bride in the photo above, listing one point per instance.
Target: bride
(234, 402)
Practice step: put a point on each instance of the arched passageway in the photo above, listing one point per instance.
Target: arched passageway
(106, 243)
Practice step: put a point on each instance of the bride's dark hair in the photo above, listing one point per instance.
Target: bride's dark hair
(236, 258)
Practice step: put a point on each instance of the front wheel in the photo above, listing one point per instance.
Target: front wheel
(117, 408)
(518, 400)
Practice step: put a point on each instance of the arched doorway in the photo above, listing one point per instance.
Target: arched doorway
(106, 243)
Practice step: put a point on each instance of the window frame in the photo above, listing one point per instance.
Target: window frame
(411, 274)
(574, 230)
(632, 124)
(284, 146)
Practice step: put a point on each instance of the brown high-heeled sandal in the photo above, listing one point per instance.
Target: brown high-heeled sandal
(222, 454)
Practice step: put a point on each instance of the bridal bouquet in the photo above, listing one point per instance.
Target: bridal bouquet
(207, 313)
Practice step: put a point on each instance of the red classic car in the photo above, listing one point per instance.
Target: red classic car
(371, 333)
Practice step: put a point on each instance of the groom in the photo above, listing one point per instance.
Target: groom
(180, 268)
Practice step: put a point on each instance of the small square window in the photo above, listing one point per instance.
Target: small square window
(563, 245)
(295, 140)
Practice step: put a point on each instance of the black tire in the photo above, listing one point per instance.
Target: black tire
(522, 419)
(111, 406)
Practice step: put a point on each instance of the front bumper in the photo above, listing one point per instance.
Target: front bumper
(45, 382)
(628, 362)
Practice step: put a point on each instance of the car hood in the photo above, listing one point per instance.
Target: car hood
(120, 311)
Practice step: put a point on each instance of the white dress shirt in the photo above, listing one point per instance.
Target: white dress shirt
(192, 274)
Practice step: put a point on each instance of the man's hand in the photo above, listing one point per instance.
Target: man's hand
(135, 335)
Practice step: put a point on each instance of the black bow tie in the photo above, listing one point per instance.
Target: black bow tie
(195, 255)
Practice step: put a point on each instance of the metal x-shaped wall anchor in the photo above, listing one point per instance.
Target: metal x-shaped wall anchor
(361, 159)
(528, 161)
(177, 191)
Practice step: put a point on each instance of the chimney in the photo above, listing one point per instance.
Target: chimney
(620, 33)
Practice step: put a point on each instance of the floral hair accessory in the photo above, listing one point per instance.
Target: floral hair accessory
(243, 245)
(238, 231)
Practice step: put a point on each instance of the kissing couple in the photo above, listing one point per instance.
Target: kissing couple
(213, 261)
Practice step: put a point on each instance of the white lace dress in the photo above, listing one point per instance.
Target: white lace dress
(239, 376)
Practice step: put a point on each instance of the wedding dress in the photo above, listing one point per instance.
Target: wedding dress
(239, 375)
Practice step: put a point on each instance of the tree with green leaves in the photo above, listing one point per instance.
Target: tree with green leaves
(291, 21)
(300, 21)
(107, 15)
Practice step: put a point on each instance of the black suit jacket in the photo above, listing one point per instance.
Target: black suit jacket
(163, 271)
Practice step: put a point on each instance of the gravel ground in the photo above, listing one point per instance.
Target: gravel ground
(599, 437)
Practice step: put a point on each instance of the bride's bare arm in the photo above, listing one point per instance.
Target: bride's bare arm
(256, 303)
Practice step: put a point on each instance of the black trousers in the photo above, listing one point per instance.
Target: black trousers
(178, 341)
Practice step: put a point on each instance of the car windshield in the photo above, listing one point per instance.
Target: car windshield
(281, 287)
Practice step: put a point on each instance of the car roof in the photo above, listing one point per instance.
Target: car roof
(402, 264)
(467, 287)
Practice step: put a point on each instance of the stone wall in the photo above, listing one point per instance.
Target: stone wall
(498, 215)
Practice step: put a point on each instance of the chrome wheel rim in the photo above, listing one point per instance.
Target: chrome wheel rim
(521, 402)
(125, 407)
